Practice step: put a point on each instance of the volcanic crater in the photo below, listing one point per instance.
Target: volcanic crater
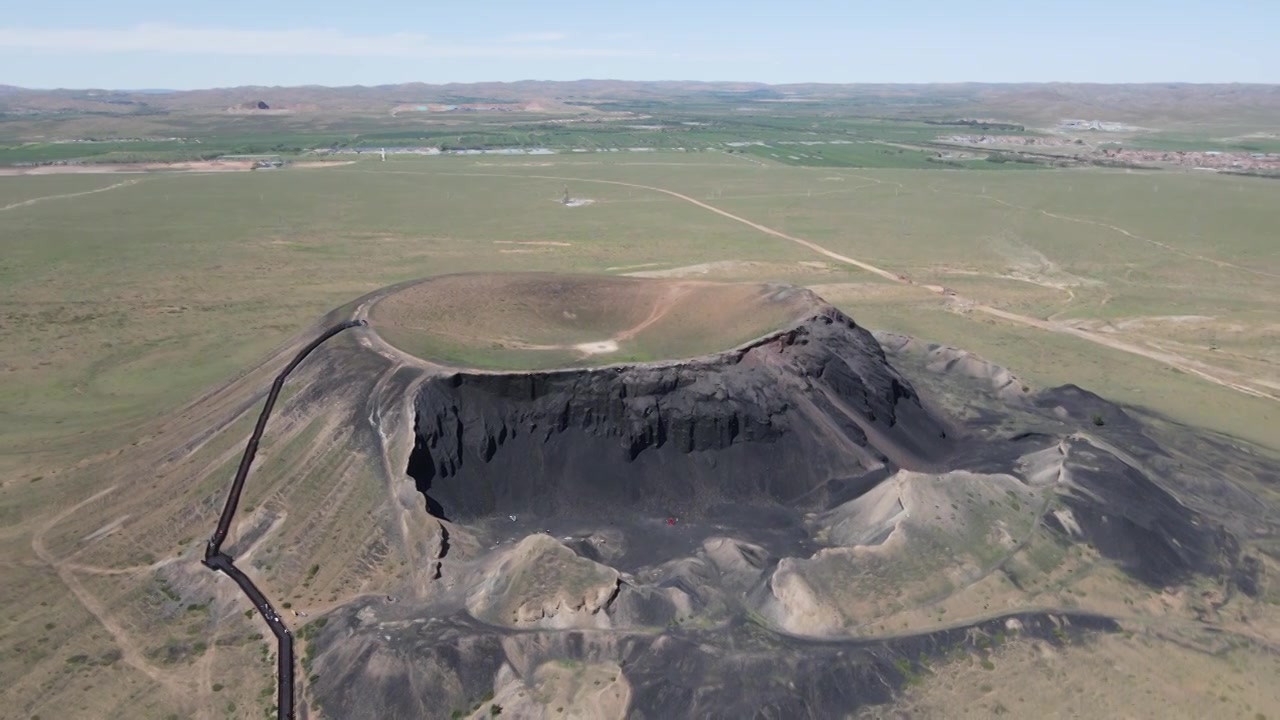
(660, 483)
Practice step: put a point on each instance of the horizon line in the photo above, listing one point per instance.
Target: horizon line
(758, 83)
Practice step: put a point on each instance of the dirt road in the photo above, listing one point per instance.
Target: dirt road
(33, 201)
(130, 651)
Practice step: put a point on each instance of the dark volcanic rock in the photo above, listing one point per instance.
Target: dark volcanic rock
(770, 423)
(1129, 518)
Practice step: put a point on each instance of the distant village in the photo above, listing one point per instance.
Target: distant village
(1114, 151)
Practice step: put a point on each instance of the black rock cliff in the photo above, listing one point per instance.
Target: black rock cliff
(776, 421)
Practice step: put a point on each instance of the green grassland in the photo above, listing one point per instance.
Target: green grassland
(711, 124)
(122, 303)
(138, 295)
(121, 306)
(1205, 141)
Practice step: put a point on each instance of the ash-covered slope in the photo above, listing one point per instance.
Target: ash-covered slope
(792, 419)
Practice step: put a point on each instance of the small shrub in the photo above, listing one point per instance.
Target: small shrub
(168, 592)
(495, 710)
(217, 687)
(1098, 420)
(987, 664)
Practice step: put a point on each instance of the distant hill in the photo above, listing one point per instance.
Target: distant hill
(1203, 110)
(1032, 102)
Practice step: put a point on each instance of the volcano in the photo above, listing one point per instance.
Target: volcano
(663, 498)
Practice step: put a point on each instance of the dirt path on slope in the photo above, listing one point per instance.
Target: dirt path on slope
(129, 650)
(663, 306)
(1192, 367)
(33, 201)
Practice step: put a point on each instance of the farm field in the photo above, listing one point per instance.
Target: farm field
(124, 298)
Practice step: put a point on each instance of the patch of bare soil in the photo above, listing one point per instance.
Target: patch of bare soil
(320, 163)
(731, 268)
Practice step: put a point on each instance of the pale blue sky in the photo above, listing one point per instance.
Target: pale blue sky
(170, 44)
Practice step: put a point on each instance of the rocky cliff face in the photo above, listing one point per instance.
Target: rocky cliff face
(774, 422)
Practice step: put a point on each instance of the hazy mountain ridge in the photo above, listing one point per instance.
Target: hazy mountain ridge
(1024, 101)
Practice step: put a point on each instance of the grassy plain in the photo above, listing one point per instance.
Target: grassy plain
(121, 306)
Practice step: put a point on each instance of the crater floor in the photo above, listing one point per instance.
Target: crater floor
(537, 321)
